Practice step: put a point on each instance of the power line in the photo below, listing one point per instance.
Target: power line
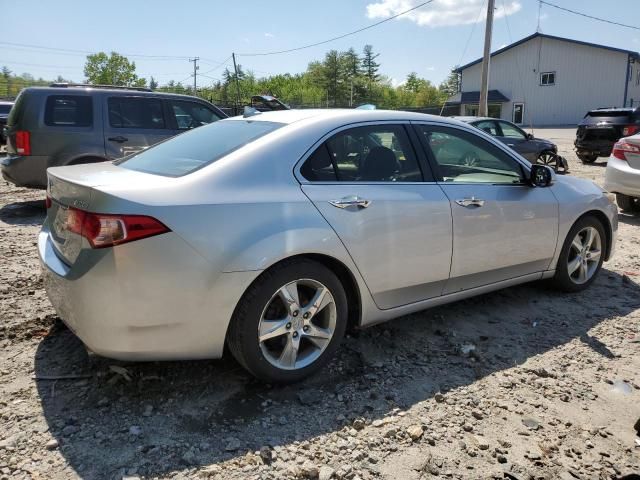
(335, 38)
(221, 64)
(588, 16)
(89, 52)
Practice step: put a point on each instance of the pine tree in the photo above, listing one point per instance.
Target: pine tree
(370, 66)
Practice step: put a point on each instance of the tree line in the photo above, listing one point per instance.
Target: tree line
(340, 79)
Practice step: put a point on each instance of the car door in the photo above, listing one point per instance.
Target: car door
(188, 114)
(502, 227)
(367, 182)
(516, 138)
(133, 123)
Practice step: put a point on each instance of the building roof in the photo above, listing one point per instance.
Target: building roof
(553, 37)
(494, 96)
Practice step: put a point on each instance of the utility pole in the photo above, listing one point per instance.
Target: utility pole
(483, 108)
(351, 98)
(235, 68)
(195, 73)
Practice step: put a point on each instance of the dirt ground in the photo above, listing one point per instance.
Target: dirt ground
(523, 383)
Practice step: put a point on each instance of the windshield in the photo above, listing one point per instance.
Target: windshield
(197, 148)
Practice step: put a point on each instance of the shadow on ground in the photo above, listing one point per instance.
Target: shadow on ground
(30, 212)
(176, 415)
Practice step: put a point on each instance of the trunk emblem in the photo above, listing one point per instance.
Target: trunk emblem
(80, 204)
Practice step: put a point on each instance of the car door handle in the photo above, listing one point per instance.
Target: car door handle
(119, 139)
(352, 201)
(470, 202)
(510, 144)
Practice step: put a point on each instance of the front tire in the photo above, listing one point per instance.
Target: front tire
(581, 256)
(290, 322)
(627, 203)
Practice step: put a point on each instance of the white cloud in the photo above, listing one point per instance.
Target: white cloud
(269, 35)
(440, 13)
(430, 69)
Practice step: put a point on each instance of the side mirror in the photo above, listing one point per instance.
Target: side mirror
(541, 176)
(529, 136)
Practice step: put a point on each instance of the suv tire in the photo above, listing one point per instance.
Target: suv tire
(627, 203)
(588, 158)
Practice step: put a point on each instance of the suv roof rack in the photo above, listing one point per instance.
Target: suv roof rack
(88, 85)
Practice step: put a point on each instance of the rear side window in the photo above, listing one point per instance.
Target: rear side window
(197, 148)
(136, 112)
(68, 111)
(191, 114)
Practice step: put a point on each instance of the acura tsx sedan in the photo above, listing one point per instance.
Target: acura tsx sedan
(274, 232)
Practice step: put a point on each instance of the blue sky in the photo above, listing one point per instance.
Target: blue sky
(429, 41)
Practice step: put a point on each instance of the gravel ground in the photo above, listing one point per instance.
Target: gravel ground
(523, 383)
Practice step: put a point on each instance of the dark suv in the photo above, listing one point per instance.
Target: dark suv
(601, 128)
(5, 108)
(72, 124)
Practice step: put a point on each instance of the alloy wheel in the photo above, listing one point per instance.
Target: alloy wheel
(584, 255)
(297, 324)
(546, 158)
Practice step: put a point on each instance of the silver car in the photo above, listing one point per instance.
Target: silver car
(275, 232)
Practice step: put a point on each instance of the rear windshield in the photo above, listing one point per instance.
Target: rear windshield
(14, 115)
(609, 113)
(197, 148)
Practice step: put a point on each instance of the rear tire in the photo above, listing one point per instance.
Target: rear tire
(280, 340)
(580, 255)
(627, 203)
(588, 158)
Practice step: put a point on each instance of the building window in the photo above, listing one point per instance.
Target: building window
(548, 78)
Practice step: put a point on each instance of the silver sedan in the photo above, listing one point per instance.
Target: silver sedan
(273, 233)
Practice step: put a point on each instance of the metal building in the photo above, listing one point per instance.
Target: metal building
(547, 80)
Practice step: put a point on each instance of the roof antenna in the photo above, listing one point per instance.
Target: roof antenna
(539, 10)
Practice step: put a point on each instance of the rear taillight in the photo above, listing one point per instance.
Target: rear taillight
(108, 230)
(23, 142)
(621, 148)
(47, 202)
(630, 130)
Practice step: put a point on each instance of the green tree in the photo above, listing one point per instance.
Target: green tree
(114, 69)
(451, 85)
(370, 66)
(153, 84)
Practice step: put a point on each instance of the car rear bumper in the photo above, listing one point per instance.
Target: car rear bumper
(30, 171)
(620, 177)
(154, 299)
(602, 148)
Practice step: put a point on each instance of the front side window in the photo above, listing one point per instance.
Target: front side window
(467, 158)
(68, 111)
(190, 151)
(511, 131)
(548, 78)
(136, 112)
(191, 114)
(379, 153)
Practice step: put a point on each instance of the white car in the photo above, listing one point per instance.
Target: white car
(623, 173)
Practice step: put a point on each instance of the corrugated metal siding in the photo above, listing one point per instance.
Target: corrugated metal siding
(586, 78)
(633, 92)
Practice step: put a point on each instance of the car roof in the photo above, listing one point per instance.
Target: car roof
(469, 119)
(6, 102)
(123, 91)
(342, 116)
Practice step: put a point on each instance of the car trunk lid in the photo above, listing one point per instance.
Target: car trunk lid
(80, 187)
